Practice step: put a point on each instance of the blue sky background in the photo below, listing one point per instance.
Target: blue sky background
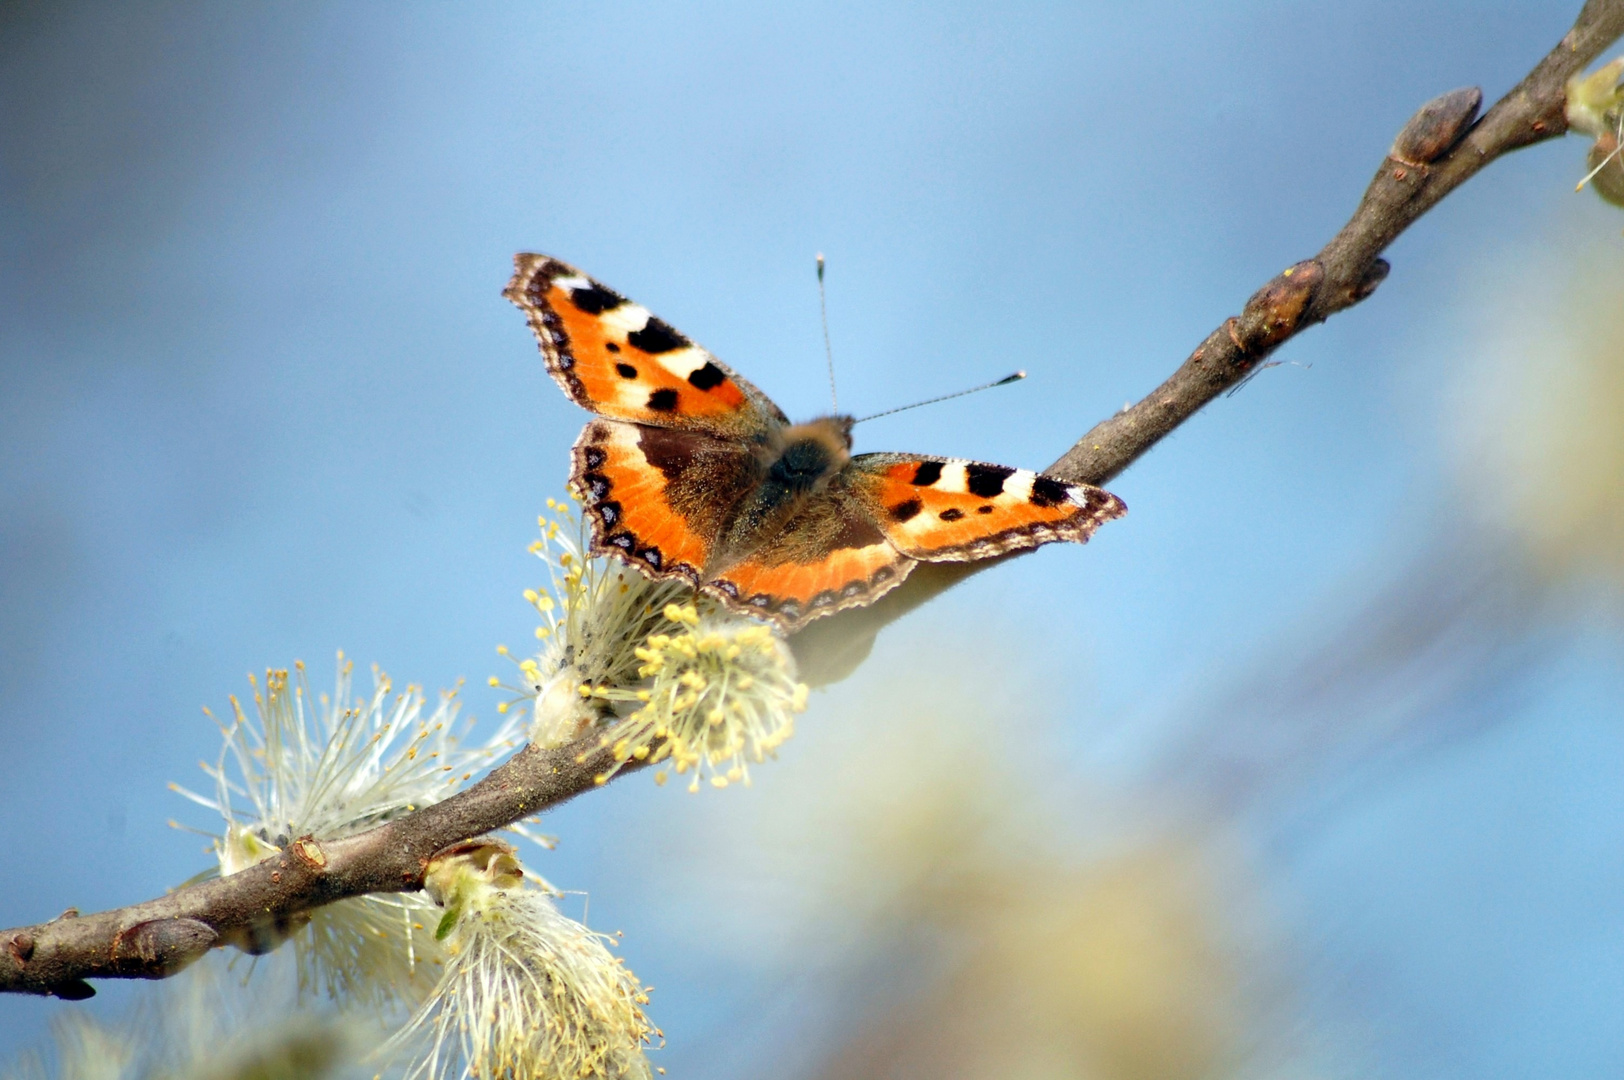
(260, 399)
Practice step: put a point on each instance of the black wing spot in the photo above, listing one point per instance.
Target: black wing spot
(903, 511)
(884, 573)
(623, 541)
(656, 337)
(986, 480)
(706, 378)
(663, 400)
(852, 589)
(951, 514)
(595, 299)
(728, 587)
(651, 555)
(928, 473)
(1047, 491)
(610, 513)
(597, 485)
(626, 371)
(611, 346)
(594, 457)
(824, 599)
(984, 508)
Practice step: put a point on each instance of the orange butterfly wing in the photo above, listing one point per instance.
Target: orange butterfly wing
(659, 497)
(828, 556)
(949, 510)
(612, 356)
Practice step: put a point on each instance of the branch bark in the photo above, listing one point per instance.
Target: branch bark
(1437, 151)
(155, 939)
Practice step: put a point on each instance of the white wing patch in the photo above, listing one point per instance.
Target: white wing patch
(955, 480)
(625, 319)
(684, 362)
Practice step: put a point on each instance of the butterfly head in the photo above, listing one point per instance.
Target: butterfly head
(808, 454)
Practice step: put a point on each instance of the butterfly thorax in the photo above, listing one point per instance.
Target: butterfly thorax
(802, 457)
(797, 463)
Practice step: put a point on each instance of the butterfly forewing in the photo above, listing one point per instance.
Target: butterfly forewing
(614, 357)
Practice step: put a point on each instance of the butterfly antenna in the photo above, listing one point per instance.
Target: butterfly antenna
(823, 310)
(1005, 381)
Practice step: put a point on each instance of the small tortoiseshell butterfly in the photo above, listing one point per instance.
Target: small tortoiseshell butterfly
(693, 473)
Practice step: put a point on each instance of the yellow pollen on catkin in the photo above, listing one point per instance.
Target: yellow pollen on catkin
(654, 671)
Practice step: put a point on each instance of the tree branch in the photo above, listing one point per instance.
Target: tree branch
(157, 938)
(1437, 151)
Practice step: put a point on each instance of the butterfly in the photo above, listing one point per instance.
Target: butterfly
(691, 472)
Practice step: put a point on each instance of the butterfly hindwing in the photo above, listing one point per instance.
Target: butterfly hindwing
(658, 497)
(612, 356)
(828, 556)
(949, 510)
